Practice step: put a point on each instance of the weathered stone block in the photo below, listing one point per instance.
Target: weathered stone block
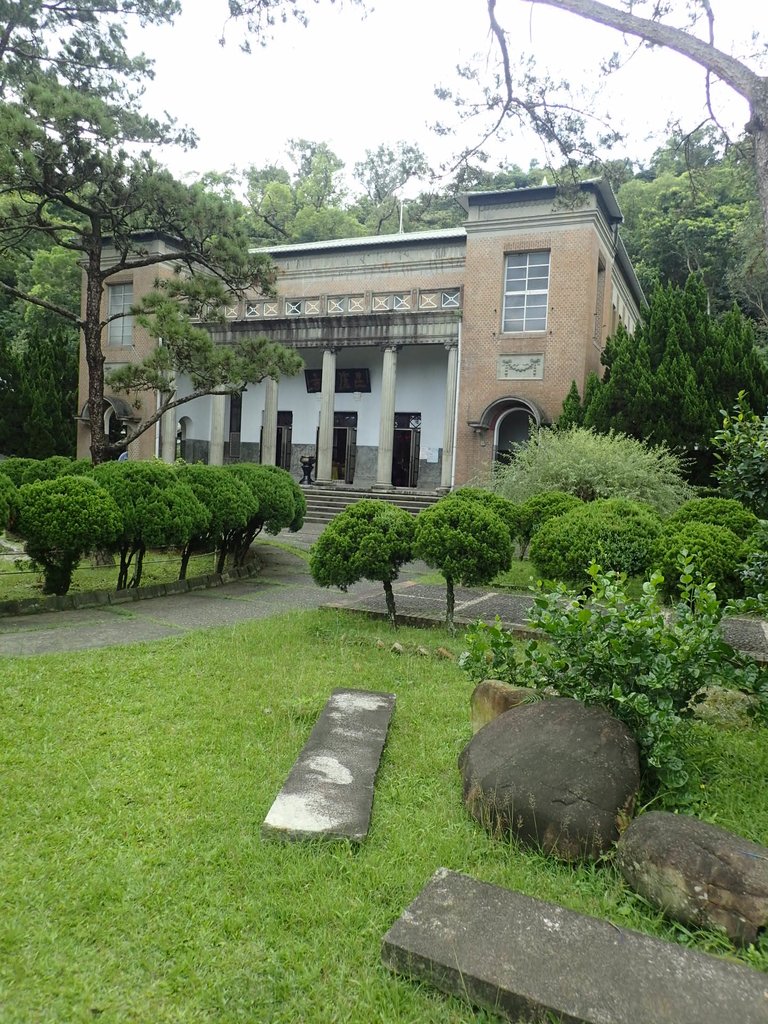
(698, 873)
(556, 774)
(528, 960)
(329, 791)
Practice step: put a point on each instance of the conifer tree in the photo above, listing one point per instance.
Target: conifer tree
(573, 412)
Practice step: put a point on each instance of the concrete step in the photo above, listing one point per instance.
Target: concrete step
(323, 503)
(329, 791)
(528, 960)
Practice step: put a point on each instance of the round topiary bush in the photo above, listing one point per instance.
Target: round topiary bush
(617, 534)
(539, 509)
(507, 511)
(369, 540)
(63, 519)
(717, 554)
(725, 512)
(7, 500)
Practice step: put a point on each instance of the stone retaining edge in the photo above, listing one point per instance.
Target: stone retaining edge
(97, 598)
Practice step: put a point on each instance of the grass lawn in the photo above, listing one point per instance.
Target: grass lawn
(136, 887)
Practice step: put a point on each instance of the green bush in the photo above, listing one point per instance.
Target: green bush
(741, 451)
(717, 512)
(53, 467)
(466, 542)
(7, 500)
(606, 648)
(619, 534)
(230, 504)
(158, 510)
(63, 519)
(539, 509)
(507, 511)
(15, 468)
(591, 466)
(717, 553)
(369, 540)
(753, 572)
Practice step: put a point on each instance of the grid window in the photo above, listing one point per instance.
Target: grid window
(526, 292)
(119, 301)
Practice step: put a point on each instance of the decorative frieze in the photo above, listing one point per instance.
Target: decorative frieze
(520, 367)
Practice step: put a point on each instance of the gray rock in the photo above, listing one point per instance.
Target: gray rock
(492, 698)
(556, 774)
(698, 873)
(527, 960)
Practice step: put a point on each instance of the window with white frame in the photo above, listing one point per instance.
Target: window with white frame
(119, 302)
(526, 292)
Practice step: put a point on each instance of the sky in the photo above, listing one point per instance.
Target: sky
(357, 82)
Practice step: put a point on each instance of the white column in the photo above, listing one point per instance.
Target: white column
(216, 444)
(387, 418)
(269, 429)
(325, 436)
(168, 436)
(449, 429)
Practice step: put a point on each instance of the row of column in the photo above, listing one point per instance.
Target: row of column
(325, 434)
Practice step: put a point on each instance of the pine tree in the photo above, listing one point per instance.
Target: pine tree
(49, 394)
(573, 413)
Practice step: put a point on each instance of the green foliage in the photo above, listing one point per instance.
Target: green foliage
(15, 468)
(606, 648)
(572, 414)
(280, 504)
(507, 511)
(753, 573)
(62, 519)
(717, 512)
(619, 533)
(538, 509)
(158, 511)
(466, 542)
(666, 382)
(50, 468)
(741, 453)
(591, 465)
(716, 551)
(7, 500)
(229, 504)
(369, 540)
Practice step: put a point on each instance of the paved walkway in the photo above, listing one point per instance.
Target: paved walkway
(284, 584)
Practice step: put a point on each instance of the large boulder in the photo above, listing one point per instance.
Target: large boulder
(492, 698)
(698, 873)
(555, 774)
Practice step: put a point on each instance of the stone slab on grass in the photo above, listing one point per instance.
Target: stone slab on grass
(329, 791)
(528, 960)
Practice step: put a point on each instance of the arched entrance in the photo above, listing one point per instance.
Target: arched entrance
(511, 419)
(118, 415)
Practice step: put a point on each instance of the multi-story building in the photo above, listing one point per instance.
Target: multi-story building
(426, 355)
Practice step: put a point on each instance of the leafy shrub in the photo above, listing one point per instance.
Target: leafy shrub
(7, 500)
(369, 540)
(591, 466)
(158, 510)
(741, 452)
(53, 467)
(61, 520)
(606, 648)
(507, 511)
(281, 504)
(15, 468)
(717, 512)
(619, 533)
(540, 508)
(229, 503)
(753, 572)
(465, 541)
(716, 551)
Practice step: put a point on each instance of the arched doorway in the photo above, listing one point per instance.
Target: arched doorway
(118, 415)
(513, 427)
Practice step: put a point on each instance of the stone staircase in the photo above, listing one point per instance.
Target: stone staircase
(323, 503)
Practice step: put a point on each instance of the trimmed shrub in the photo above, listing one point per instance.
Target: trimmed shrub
(15, 468)
(63, 519)
(591, 466)
(53, 467)
(539, 509)
(619, 535)
(753, 573)
(7, 500)
(466, 542)
(725, 512)
(369, 540)
(507, 511)
(280, 504)
(230, 504)
(716, 551)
